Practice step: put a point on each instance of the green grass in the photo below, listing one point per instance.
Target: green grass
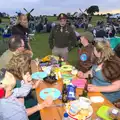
(52, 18)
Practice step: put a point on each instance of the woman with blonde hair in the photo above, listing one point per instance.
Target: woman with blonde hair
(19, 65)
(105, 73)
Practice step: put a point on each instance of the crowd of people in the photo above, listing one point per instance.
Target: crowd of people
(16, 86)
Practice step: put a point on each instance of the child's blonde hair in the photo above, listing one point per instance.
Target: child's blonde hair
(104, 48)
(9, 81)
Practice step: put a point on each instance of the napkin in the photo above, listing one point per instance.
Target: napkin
(97, 99)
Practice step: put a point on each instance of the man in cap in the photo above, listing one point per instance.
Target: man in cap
(85, 52)
(61, 37)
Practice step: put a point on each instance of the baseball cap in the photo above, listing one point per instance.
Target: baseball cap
(88, 35)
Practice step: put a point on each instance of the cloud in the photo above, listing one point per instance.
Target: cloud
(56, 6)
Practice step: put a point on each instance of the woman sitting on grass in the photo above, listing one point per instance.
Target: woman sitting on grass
(106, 72)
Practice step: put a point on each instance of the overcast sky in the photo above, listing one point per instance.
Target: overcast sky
(57, 6)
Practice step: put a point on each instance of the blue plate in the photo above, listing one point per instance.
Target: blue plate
(39, 75)
(55, 93)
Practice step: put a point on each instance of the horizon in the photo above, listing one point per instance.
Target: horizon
(50, 7)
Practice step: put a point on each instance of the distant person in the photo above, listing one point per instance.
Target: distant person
(100, 33)
(61, 37)
(112, 32)
(22, 29)
(0, 20)
(45, 20)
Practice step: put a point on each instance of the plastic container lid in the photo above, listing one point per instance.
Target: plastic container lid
(65, 115)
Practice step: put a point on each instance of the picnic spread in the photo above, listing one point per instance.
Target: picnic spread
(78, 107)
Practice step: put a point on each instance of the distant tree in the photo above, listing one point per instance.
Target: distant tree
(92, 9)
(1, 15)
(109, 14)
(104, 14)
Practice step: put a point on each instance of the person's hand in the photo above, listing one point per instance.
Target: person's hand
(27, 78)
(40, 106)
(80, 74)
(93, 88)
(117, 104)
(48, 102)
(36, 84)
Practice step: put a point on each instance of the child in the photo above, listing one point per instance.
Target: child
(85, 52)
(12, 102)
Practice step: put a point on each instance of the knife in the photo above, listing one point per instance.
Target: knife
(58, 105)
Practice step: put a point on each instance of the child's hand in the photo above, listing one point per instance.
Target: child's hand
(48, 102)
(36, 83)
(27, 78)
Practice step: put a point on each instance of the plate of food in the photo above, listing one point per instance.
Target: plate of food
(77, 113)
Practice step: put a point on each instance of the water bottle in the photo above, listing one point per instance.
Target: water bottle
(66, 116)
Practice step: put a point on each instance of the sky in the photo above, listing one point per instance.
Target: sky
(50, 7)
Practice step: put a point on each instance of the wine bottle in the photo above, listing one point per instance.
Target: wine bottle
(89, 80)
(85, 90)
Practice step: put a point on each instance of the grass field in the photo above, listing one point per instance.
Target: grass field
(40, 46)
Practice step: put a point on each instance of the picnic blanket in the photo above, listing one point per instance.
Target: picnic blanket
(114, 42)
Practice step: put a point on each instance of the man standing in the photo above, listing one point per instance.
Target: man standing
(22, 29)
(61, 37)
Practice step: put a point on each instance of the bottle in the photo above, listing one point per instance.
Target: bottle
(89, 80)
(85, 91)
(64, 94)
(66, 116)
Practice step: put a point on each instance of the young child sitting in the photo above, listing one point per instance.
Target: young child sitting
(12, 100)
(85, 52)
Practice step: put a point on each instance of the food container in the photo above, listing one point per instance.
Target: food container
(89, 117)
